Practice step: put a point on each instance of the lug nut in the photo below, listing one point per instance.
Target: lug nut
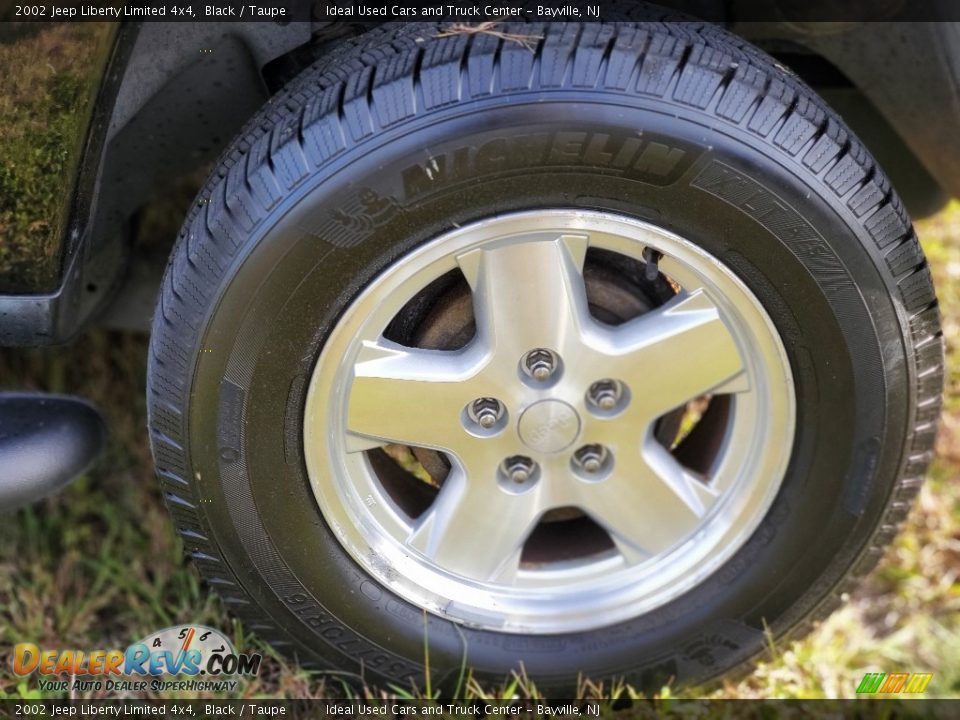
(591, 458)
(591, 464)
(518, 468)
(606, 394)
(540, 364)
(485, 412)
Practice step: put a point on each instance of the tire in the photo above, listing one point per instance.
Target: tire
(678, 133)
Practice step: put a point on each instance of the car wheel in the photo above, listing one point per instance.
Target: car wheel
(597, 349)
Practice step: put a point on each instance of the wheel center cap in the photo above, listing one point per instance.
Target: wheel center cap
(549, 426)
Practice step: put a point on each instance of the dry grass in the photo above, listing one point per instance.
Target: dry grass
(491, 28)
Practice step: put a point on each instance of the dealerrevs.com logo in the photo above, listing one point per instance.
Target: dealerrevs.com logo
(194, 651)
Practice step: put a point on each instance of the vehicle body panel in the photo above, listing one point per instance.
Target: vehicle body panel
(169, 97)
(52, 74)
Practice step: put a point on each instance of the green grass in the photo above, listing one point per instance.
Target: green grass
(99, 566)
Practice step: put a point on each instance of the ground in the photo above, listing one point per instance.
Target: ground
(99, 566)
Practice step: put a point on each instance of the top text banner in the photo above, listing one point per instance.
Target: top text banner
(464, 11)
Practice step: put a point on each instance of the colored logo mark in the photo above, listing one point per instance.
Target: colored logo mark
(893, 683)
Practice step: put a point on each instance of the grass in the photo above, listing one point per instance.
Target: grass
(98, 566)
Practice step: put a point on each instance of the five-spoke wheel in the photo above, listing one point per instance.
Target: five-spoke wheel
(577, 463)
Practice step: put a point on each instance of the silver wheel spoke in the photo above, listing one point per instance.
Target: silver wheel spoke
(408, 396)
(649, 506)
(676, 353)
(476, 528)
(529, 294)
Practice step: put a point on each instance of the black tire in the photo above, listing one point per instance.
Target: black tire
(755, 168)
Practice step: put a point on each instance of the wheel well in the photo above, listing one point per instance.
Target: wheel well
(920, 192)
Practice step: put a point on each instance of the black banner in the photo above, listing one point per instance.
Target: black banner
(453, 709)
(377, 11)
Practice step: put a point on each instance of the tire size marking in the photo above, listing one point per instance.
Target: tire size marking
(347, 641)
(749, 196)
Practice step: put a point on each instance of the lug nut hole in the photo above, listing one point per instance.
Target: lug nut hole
(518, 473)
(607, 397)
(484, 417)
(540, 367)
(592, 462)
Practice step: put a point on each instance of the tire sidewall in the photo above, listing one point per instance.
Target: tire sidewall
(324, 242)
